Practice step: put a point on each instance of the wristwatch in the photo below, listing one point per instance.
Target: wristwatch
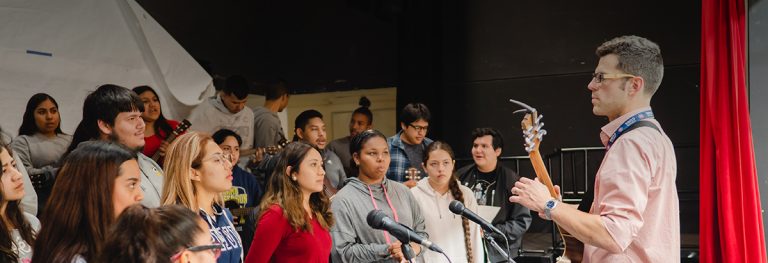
(551, 204)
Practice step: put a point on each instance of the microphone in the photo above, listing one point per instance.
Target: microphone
(379, 220)
(458, 208)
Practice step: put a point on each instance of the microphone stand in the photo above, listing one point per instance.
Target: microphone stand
(496, 246)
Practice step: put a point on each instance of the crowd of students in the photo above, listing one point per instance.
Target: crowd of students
(100, 197)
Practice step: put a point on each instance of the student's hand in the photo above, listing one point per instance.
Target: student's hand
(258, 156)
(396, 251)
(410, 183)
(163, 148)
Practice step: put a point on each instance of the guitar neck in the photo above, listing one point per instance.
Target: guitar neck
(246, 152)
(541, 171)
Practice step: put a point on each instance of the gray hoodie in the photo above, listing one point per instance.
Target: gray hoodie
(353, 239)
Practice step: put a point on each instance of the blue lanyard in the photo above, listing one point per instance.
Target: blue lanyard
(624, 126)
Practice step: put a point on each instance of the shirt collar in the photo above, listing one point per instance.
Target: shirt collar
(399, 141)
(608, 130)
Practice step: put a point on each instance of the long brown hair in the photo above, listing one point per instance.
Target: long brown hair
(80, 209)
(283, 191)
(184, 153)
(15, 216)
(453, 185)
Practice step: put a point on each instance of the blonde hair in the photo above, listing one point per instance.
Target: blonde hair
(184, 154)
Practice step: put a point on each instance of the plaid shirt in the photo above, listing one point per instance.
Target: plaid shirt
(399, 160)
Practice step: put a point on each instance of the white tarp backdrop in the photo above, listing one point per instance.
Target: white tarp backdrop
(67, 48)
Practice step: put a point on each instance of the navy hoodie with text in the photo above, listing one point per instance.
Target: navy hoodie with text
(223, 232)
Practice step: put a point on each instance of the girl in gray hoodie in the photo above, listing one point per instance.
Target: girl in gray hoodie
(353, 239)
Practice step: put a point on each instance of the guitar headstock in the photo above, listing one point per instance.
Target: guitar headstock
(275, 149)
(413, 174)
(532, 126)
(183, 127)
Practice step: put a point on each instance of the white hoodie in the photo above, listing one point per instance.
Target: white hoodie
(444, 227)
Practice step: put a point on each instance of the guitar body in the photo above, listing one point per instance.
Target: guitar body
(573, 250)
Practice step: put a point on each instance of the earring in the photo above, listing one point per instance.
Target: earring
(294, 178)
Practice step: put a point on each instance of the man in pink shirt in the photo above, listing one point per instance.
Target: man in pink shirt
(635, 213)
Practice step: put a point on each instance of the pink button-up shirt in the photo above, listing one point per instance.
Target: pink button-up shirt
(636, 196)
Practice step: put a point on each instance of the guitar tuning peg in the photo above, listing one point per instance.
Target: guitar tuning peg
(529, 148)
(538, 118)
(538, 126)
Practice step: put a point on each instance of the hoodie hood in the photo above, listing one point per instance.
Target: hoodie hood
(218, 104)
(362, 187)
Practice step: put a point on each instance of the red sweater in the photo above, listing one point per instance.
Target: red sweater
(152, 143)
(276, 240)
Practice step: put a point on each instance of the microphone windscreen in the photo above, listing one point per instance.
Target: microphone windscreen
(375, 218)
(456, 207)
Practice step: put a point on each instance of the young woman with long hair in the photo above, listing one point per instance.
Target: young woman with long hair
(97, 181)
(167, 234)
(295, 212)
(353, 239)
(459, 238)
(41, 143)
(17, 233)
(196, 173)
(158, 127)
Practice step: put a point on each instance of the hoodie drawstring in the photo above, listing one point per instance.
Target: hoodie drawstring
(389, 202)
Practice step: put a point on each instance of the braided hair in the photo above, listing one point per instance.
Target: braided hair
(453, 186)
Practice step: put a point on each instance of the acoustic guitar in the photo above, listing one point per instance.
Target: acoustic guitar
(183, 127)
(573, 249)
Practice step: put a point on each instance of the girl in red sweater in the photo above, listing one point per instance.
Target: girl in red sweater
(158, 127)
(295, 212)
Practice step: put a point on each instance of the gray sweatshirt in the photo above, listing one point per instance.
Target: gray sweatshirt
(341, 148)
(211, 115)
(333, 168)
(353, 239)
(39, 153)
(267, 130)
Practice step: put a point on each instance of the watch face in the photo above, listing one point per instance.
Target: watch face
(550, 204)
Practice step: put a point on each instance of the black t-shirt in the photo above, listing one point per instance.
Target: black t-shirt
(415, 154)
(484, 186)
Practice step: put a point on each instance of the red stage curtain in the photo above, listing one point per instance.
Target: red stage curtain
(731, 227)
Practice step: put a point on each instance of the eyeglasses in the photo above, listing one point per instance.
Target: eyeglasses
(419, 128)
(599, 76)
(215, 248)
(222, 157)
